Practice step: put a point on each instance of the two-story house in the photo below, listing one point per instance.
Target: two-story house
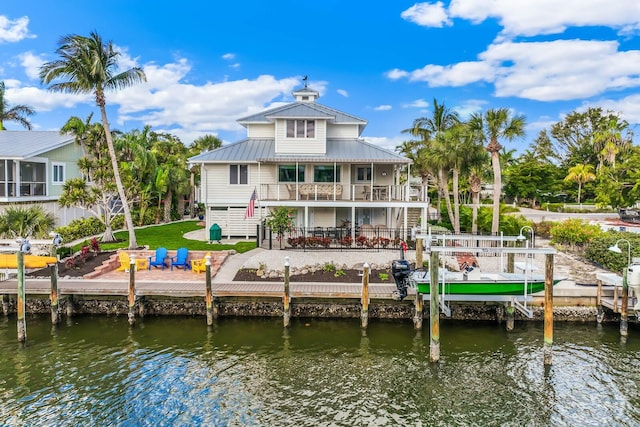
(33, 168)
(310, 158)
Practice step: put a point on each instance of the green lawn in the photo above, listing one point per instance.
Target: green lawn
(170, 237)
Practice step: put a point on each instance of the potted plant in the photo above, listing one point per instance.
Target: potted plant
(281, 221)
(200, 211)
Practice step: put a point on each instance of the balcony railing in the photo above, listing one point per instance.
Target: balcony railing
(337, 191)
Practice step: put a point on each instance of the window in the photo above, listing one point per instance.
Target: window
(301, 128)
(238, 174)
(363, 173)
(326, 174)
(287, 173)
(58, 173)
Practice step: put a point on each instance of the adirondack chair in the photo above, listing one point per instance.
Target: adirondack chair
(125, 262)
(181, 259)
(159, 261)
(199, 265)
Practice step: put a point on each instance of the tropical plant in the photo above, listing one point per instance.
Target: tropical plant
(580, 174)
(17, 113)
(494, 125)
(26, 222)
(88, 65)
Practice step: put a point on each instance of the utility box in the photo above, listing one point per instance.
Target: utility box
(215, 233)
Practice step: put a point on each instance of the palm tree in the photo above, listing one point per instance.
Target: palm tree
(26, 222)
(581, 174)
(496, 124)
(87, 65)
(17, 113)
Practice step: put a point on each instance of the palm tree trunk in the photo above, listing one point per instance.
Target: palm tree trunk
(475, 200)
(579, 191)
(456, 202)
(167, 205)
(497, 189)
(133, 243)
(445, 194)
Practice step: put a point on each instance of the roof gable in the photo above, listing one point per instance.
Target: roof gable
(302, 110)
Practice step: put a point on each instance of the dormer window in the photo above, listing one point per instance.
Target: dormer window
(301, 128)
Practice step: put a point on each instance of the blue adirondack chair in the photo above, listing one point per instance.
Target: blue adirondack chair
(181, 259)
(159, 260)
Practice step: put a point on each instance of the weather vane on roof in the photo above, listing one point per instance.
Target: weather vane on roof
(305, 79)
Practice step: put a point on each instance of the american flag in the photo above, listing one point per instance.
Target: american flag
(251, 206)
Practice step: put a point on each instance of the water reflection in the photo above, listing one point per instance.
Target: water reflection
(178, 371)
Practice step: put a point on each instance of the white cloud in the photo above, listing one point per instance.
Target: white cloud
(14, 31)
(427, 14)
(543, 71)
(470, 106)
(628, 107)
(396, 74)
(531, 17)
(385, 142)
(384, 107)
(31, 64)
(418, 103)
(343, 93)
(229, 56)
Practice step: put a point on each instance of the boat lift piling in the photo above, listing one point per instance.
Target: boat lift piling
(55, 316)
(418, 316)
(434, 312)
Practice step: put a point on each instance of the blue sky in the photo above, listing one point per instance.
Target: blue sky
(210, 63)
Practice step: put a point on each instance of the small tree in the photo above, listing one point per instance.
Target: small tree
(280, 220)
(28, 222)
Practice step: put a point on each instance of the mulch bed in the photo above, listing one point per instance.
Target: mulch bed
(87, 267)
(350, 276)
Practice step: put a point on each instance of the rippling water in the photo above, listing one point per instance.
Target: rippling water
(176, 371)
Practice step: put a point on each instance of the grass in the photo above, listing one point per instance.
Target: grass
(170, 236)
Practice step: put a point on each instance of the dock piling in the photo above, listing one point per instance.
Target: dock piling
(624, 309)
(434, 310)
(55, 317)
(419, 303)
(364, 299)
(208, 299)
(132, 290)
(548, 309)
(5, 304)
(286, 298)
(22, 323)
(511, 317)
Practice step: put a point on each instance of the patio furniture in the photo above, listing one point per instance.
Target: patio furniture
(200, 265)
(159, 260)
(181, 259)
(125, 262)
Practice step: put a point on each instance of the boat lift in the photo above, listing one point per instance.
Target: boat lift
(519, 302)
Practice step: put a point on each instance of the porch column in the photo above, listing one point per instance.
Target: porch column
(306, 217)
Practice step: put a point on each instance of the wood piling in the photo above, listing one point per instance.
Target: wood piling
(624, 310)
(511, 258)
(208, 297)
(55, 317)
(419, 303)
(434, 310)
(286, 298)
(5, 304)
(22, 323)
(132, 290)
(364, 299)
(548, 309)
(511, 317)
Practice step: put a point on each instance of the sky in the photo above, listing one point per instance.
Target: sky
(209, 63)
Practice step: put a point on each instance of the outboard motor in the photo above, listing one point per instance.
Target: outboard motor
(400, 269)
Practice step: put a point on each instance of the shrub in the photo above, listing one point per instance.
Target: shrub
(329, 267)
(575, 233)
(79, 228)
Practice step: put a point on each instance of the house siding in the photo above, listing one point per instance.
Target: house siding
(68, 155)
(315, 145)
(261, 131)
(342, 131)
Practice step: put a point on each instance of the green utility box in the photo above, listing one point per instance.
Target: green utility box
(215, 233)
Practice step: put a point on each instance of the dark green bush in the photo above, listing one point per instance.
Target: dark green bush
(79, 228)
(599, 253)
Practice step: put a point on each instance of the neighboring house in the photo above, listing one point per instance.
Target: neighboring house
(311, 158)
(33, 168)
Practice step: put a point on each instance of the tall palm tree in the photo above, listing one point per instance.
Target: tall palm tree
(17, 113)
(494, 125)
(88, 65)
(581, 174)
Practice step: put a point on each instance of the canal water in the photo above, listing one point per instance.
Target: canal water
(172, 371)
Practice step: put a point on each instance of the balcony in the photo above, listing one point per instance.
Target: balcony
(342, 192)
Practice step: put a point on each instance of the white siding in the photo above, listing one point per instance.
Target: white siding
(342, 131)
(315, 145)
(216, 187)
(261, 131)
(232, 222)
